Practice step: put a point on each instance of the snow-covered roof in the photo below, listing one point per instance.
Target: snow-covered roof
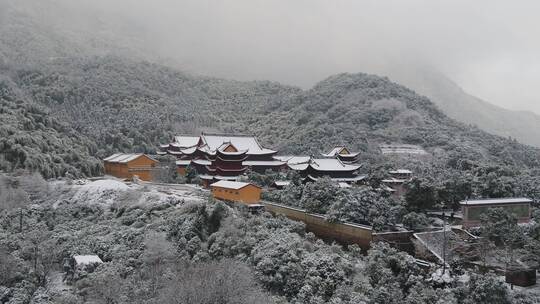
(291, 159)
(496, 201)
(231, 184)
(337, 151)
(217, 177)
(87, 259)
(334, 151)
(124, 158)
(301, 163)
(225, 178)
(394, 181)
(331, 164)
(400, 171)
(386, 188)
(298, 167)
(342, 179)
(183, 162)
(282, 183)
(189, 150)
(222, 149)
(350, 179)
(202, 162)
(183, 141)
(240, 142)
(268, 163)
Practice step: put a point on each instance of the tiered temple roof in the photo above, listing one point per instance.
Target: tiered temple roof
(314, 168)
(210, 144)
(343, 154)
(222, 156)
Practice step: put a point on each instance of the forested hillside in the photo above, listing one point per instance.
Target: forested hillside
(86, 98)
(462, 106)
(123, 105)
(32, 138)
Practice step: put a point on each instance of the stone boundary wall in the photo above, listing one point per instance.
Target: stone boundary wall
(345, 233)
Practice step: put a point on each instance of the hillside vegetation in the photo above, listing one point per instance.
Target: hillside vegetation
(71, 96)
(111, 104)
(464, 107)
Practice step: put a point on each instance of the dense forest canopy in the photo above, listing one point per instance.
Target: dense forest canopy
(64, 115)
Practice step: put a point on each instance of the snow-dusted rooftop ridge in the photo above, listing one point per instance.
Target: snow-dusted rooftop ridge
(331, 164)
(230, 184)
(211, 142)
(394, 181)
(218, 177)
(282, 183)
(263, 163)
(186, 141)
(400, 171)
(87, 259)
(496, 201)
(123, 157)
(342, 179)
(293, 160)
(301, 163)
(202, 162)
(183, 162)
(240, 142)
(337, 151)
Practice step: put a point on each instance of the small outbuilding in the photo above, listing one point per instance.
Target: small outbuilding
(240, 192)
(78, 266)
(281, 184)
(84, 260)
(401, 174)
(473, 209)
(521, 277)
(123, 165)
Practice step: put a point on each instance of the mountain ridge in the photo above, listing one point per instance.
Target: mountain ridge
(467, 108)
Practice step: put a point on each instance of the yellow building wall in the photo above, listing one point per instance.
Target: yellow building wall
(249, 194)
(181, 171)
(142, 166)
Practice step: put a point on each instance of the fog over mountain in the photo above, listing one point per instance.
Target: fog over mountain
(487, 47)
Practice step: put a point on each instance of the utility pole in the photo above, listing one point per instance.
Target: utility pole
(444, 242)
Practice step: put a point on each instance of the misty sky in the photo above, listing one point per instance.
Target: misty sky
(491, 48)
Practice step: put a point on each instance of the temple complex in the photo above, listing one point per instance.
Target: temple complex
(221, 156)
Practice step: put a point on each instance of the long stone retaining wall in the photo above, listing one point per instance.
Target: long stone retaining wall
(345, 233)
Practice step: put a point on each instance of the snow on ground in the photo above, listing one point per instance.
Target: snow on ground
(105, 184)
(56, 284)
(441, 276)
(109, 190)
(100, 191)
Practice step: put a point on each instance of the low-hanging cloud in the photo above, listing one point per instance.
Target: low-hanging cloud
(489, 47)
